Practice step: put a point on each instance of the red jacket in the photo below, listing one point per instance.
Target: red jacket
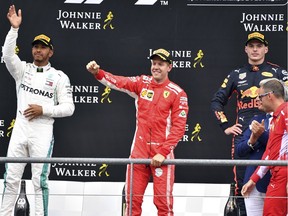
(161, 112)
(277, 145)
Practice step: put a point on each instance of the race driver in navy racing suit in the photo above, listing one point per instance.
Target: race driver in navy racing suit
(244, 81)
(162, 109)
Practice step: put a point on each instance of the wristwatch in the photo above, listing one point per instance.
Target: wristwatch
(250, 145)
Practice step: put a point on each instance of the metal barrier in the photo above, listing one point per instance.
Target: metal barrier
(123, 161)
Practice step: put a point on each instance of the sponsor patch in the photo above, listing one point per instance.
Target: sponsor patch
(267, 74)
(183, 99)
(242, 76)
(183, 102)
(133, 79)
(221, 116)
(182, 114)
(158, 172)
(49, 83)
(147, 94)
(224, 84)
(251, 92)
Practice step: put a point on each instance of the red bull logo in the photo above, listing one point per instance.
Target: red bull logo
(252, 104)
(251, 92)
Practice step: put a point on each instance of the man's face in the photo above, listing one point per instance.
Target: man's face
(256, 52)
(41, 54)
(160, 69)
(264, 100)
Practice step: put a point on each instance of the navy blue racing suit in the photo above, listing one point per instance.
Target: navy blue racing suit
(243, 81)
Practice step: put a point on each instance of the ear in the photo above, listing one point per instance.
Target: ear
(51, 52)
(270, 96)
(170, 67)
(245, 49)
(266, 49)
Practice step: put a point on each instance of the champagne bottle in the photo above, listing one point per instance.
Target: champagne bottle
(123, 201)
(22, 207)
(231, 207)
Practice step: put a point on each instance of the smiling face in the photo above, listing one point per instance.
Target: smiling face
(256, 52)
(160, 69)
(41, 54)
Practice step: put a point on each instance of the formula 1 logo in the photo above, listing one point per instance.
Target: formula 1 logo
(139, 2)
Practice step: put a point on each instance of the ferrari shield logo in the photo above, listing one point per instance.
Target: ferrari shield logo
(166, 94)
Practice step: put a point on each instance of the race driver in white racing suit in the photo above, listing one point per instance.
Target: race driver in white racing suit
(162, 109)
(43, 93)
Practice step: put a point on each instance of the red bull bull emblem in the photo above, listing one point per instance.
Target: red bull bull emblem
(251, 92)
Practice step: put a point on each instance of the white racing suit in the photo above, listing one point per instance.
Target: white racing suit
(50, 89)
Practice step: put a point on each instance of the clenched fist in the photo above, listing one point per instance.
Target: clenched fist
(93, 67)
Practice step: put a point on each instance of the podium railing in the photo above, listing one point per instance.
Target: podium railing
(125, 161)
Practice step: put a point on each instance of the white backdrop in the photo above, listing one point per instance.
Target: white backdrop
(104, 199)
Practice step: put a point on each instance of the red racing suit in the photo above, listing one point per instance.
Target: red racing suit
(277, 149)
(161, 113)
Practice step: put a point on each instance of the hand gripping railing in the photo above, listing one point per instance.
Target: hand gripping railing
(125, 161)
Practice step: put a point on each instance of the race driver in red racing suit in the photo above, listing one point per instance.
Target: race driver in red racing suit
(162, 109)
(244, 81)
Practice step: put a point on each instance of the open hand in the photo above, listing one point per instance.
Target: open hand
(14, 18)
